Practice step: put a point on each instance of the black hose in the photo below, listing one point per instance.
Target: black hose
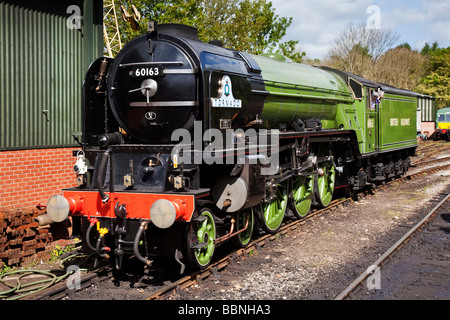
(141, 229)
(88, 234)
(100, 176)
(100, 247)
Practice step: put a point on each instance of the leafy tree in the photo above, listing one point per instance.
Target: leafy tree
(245, 25)
(289, 49)
(312, 62)
(161, 11)
(428, 50)
(405, 46)
(437, 80)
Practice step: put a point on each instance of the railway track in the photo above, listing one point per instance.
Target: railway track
(239, 254)
(428, 153)
(94, 277)
(422, 163)
(373, 270)
(64, 290)
(287, 227)
(431, 148)
(60, 291)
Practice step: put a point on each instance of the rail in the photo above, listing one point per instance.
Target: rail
(392, 249)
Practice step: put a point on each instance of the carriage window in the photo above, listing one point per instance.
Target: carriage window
(441, 118)
(356, 88)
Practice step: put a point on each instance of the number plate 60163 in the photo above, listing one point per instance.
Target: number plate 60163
(156, 71)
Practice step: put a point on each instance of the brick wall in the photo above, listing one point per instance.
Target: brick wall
(29, 177)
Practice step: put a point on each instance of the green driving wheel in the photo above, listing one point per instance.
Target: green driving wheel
(200, 255)
(244, 238)
(302, 195)
(272, 212)
(325, 183)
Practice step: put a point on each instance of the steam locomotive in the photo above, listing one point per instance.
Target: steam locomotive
(188, 145)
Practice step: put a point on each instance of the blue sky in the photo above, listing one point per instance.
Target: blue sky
(316, 23)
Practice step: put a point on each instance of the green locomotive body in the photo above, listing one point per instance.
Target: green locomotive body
(297, 91)
(327, 129)
(340, 101)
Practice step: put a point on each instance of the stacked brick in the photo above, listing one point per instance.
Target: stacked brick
(21, 238)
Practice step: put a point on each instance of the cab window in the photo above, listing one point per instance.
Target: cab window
(356, 88)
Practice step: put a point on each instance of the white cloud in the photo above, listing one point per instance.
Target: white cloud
(427, 21)
(316, 23)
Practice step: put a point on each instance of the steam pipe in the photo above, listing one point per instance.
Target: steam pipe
(231, 234)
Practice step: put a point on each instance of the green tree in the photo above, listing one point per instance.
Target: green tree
(428, 50)
(262, 28)
(245, 25)
(161, 11)
(289, 49)
(437, 80)
(404, 46)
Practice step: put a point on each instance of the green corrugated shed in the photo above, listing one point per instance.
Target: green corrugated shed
(43, 60)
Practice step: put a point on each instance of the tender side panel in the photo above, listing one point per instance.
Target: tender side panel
(397, 122)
